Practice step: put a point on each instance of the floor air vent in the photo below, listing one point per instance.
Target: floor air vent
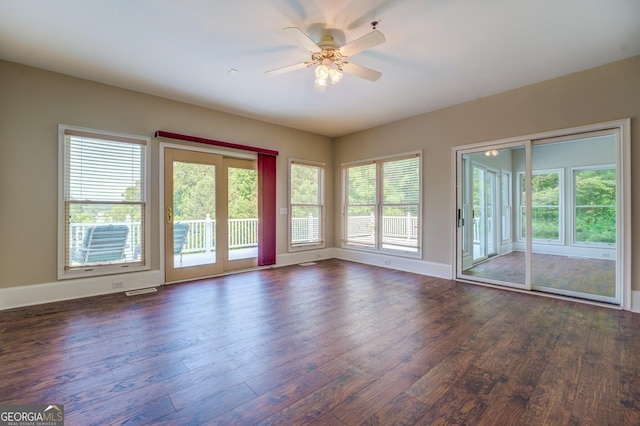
(141, 291)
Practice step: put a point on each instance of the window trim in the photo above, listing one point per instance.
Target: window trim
(322, 192)
(378, 246)
(144, 263)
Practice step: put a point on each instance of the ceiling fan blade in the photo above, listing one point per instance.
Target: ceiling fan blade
(303, 39)
(283, 70)
(365, 42)
(362, 72)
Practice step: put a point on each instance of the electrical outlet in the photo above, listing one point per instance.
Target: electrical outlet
(118, 284)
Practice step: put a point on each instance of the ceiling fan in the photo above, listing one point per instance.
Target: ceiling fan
(331, 59)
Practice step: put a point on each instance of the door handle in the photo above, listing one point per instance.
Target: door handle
(169, 214)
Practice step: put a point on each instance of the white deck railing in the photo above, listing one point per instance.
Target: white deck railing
(400, 230)
(243, 233)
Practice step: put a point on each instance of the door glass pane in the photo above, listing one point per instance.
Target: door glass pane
(194, 212)
(487, 199)
(243, 213)
(577, 257)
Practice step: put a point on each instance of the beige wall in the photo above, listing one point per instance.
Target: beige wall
(601, 94)
(32, 104)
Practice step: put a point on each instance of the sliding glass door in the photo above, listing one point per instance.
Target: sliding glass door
(210, 214)
(544, 215)
(575, 194)
(485, 216)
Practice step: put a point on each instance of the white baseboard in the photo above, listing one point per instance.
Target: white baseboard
(36, 294)
(304, 256)
(635, 301)
(27, 295)
(416, 266)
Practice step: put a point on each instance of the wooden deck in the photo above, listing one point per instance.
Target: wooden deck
(335, 343)
(193, 259)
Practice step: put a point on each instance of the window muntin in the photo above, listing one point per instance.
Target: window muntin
(104, 201)
(383, 204)
(306, 205)
(594, 206)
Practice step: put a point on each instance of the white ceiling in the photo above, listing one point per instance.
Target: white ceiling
(438, 53)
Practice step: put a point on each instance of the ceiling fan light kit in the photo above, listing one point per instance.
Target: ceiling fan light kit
(329, 58)
(329, 66)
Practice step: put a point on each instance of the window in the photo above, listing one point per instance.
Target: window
(104, 214)
(595, 206)
(306, 205)
(382, 204)
(546, 197)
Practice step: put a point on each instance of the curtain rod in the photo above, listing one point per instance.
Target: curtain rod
(170, 135)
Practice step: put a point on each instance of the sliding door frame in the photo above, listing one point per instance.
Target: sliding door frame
(458, 202)
(623, 165)
(162, 199)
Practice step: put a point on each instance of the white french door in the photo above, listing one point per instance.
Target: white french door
(210, 214)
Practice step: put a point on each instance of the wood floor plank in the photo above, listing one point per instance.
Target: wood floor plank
(599, 383)
(465, 402)
(275, 400)
(554, 395)
(208, 408)
(336, 343)
(439, 380)
(524, 362)
(403, 410)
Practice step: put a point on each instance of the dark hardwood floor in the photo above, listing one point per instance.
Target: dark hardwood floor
(335, 343)
(583, 275)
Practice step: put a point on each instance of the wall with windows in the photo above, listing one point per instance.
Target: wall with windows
(32, 104)
(597, 95)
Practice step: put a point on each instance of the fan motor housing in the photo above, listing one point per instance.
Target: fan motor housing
(327, 42)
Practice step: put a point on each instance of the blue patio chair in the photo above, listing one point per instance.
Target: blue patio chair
(103, 244)
(180, 231)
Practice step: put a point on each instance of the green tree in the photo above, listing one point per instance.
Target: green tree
(305, 189)
(194, 191)
(361, 189)
(120, 212)
(595, 203)
(243, 193)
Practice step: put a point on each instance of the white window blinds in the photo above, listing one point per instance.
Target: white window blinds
(104, 200)
(383, 204)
